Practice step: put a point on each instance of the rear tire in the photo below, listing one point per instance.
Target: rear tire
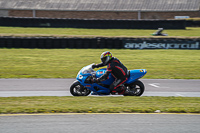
(137, 88)
(77, 89)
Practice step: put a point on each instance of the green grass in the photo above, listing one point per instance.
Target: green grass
(20, 31)
(99, 104)
(65, 63)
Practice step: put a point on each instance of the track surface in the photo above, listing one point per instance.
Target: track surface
(100, 123)
(60, 87)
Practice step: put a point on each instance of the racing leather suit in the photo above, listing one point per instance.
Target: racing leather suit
(119, 72)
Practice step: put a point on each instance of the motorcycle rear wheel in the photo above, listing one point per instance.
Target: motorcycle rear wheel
(77, 89)
(137, 88)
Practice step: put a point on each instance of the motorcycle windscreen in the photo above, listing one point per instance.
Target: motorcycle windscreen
(108, 81)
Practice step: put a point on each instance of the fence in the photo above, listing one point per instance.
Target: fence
(98, 43)
(92, 23)
(192, 23)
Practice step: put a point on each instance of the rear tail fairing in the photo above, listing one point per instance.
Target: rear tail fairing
(135, 75)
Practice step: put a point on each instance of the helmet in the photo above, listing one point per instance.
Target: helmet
(106, 57)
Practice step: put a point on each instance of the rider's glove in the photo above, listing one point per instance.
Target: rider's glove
(94, 66)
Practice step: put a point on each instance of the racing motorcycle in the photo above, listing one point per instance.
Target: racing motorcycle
(83, 86)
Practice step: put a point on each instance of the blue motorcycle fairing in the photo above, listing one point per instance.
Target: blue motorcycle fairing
(101, 90)
(81, 77)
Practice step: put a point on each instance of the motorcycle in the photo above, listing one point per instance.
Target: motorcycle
(83, 86)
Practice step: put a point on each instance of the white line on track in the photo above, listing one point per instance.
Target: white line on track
(155, 85)
(180, 95)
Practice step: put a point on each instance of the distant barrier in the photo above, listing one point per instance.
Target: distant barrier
(192, 23)
(92, 23)
(98, 43)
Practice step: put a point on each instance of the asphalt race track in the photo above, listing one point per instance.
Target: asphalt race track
(100, 123)
(60, 87)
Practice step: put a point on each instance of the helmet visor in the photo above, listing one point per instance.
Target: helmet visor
(103, 60)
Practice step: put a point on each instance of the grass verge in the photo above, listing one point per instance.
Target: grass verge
(66, 32)
(65, 63)
(99, 105)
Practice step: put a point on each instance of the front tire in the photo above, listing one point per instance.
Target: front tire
(137, 88)
(77, 89)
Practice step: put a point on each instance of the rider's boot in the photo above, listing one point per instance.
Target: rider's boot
(119, 91)
(122, 90)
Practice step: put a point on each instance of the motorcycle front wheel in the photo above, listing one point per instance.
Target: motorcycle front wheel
(77, 89)
(137, 88)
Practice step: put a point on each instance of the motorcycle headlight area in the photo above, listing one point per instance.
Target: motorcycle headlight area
(80, 76)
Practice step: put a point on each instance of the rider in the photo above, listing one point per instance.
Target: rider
(116, 68)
